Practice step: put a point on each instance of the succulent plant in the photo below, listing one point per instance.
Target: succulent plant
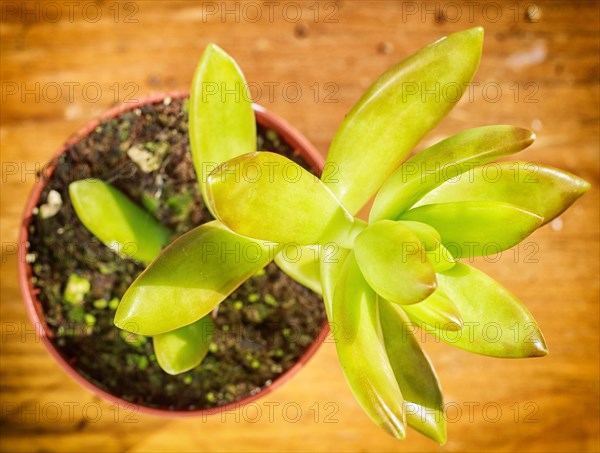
(402, 268)
(381, 277)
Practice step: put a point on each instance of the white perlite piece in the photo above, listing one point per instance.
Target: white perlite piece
(52, 206)
(144, 159)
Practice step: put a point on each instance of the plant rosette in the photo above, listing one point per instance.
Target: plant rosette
(402, 268)
(72, 310)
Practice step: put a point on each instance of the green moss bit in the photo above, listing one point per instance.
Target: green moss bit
(76, 314)
(142, 362)
(188, 379)
(272, 136)
(238, 305)
(100, 304)
(76, 289)
(114, 303)
(270, 300)
(260, 272)
(89, 319)
(107, 268)
(213, 348)
(255, 364)
(210, 397)
(254, 297)
(181, 204)
(170, 388)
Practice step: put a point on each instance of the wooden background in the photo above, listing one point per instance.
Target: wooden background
(543, 57)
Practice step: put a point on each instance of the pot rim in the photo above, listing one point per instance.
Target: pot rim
(34, 307)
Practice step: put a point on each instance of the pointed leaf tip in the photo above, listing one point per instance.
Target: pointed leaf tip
(182, 349)
(496, 323)
(392, 116)
(222, 122)
(362, 353)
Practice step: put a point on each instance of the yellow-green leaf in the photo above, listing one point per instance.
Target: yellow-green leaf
(476, 228)
(393, 261)
(190, 278)
(495, 322)
(118, 222)
(403, 105)
(222, 123)
(363, 357)
(414, 373)
(437, 311)
(332, 262)
(301, 264)
(267, 196)
(445, 160)
(182, 349)
(542, 190)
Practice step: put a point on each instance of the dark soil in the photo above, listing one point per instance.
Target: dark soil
(261, 329)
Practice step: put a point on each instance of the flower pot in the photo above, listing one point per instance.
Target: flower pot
(31, 293)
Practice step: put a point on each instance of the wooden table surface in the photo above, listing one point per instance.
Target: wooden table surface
(65, 62)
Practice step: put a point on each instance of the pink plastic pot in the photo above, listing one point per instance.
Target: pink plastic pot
(34, 306)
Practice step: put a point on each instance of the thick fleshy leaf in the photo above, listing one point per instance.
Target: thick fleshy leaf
(331, 265)
(182, 349)
(441, 259)
(437, 311)
(428, 235)
(190, 278)
(357, 332)
(543, 190)
(414, 373)
(495, 323)
(301, 264)
(477, 228)
(222, 123)
(438, 256)
(445, 160)
(267, 196)
(393, 262)
(403, 105)
(118, 222)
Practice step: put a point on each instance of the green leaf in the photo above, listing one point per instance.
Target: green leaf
(222, 122)
(332, 262)
(414, 373)
(437, 311)
(363, 357)
(542, 190)
(445, 160)
(495, 323)
(441, 259)
(403, 105)
(477, 228)
(438, 256)
(301, 264)
(392, 260)
(182, 349)
(428, 236)
(190, 278)
(267, 196)
(118, 222)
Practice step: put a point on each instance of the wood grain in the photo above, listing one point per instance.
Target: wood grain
(549, 53)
